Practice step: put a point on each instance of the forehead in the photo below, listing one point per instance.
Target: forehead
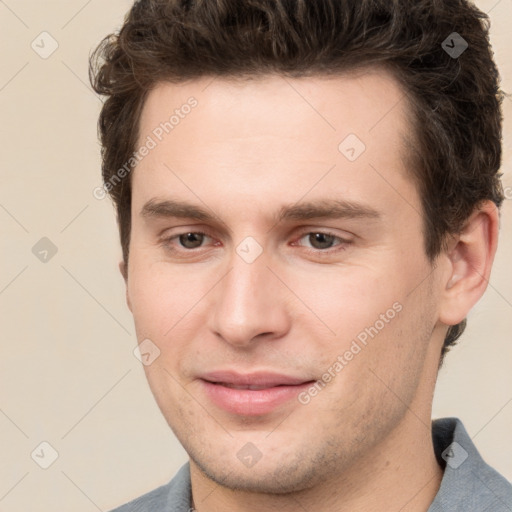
(358, 101)
(275, 133)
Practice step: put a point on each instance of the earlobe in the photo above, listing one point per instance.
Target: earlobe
(469, 263)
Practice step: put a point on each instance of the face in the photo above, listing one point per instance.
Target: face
(277, 266)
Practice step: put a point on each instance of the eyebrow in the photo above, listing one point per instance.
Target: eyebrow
(309, 210)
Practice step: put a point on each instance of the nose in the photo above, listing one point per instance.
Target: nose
(250, 304)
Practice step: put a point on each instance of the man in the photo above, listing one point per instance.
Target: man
(307, 195)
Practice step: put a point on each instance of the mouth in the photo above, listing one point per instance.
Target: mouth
(250, 387)
(251, 394)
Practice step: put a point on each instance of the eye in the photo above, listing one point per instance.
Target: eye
(317, 242)
(189, 240)
(322, 241)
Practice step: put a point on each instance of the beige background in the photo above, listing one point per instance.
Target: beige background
(67, 372)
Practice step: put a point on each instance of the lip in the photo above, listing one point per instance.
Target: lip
(235, 392)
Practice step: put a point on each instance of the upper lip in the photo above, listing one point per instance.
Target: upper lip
(268, 379)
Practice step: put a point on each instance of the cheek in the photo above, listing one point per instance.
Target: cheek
(395, 357)
(158, 300)
(170, 305)
(347, 302)
(371, 320)
(380, 377)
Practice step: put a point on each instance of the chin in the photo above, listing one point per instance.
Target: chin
(277, 480)
(268, 475)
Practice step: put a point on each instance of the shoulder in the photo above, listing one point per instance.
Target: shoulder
(171, 497)
(469, 483)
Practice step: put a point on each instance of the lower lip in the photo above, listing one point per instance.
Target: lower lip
(251, 402)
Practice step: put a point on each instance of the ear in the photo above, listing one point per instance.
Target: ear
(469, 259)
(123, 268)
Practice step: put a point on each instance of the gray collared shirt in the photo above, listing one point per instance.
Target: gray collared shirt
(468, 483)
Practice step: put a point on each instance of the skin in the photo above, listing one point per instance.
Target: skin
(248, 149)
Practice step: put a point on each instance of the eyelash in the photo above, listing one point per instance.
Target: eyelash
(341, 246)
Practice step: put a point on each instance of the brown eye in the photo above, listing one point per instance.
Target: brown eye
(321, 240)
(320, 243)
(191, 240)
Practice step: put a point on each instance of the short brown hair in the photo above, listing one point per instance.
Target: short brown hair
(455, 99)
